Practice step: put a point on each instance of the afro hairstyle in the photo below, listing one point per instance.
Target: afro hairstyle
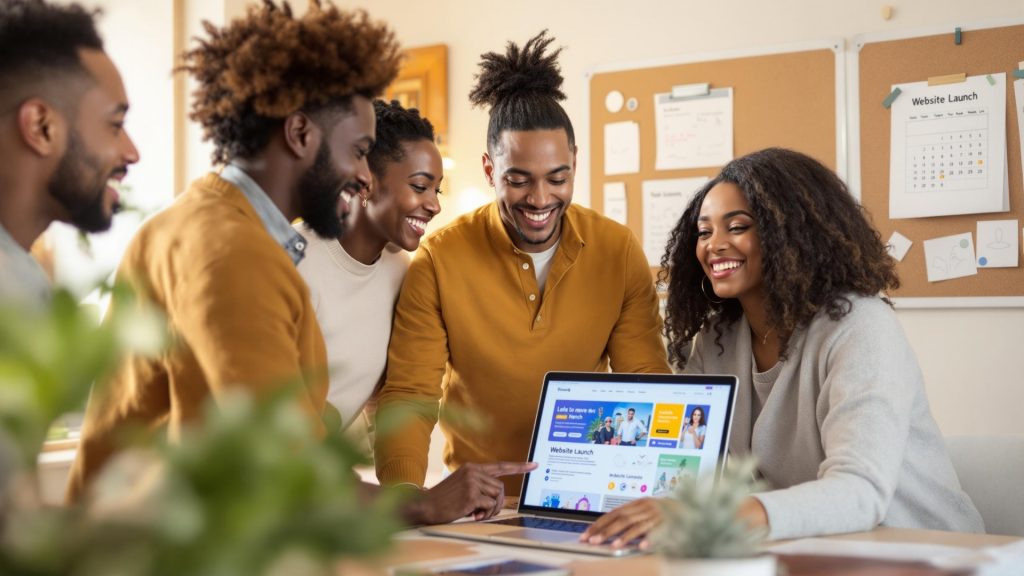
(258, 70)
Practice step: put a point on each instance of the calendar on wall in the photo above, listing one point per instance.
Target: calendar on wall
(949, 149)
(948, 152)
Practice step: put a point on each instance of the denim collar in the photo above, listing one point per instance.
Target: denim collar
(273, 220)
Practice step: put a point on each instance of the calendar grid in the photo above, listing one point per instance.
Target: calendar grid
(947, 152)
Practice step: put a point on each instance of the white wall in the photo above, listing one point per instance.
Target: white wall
(197, 153)
(974, 372)
(138, 38)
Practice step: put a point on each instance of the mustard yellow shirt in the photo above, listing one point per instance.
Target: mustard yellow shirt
(240, 313)
(472, 331)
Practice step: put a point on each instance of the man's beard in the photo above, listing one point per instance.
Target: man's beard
(320, 188)
(79, 184)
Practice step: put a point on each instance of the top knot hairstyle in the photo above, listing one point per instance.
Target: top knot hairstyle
(260, 69)
(817, 246)
(395, 126)
(523, 88)
(40, 42)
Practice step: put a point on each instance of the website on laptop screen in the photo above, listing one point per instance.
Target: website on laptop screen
(602, 443)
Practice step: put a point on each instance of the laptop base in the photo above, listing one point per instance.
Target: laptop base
(526, 537)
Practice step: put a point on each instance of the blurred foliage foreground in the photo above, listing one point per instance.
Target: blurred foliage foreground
(251, 491)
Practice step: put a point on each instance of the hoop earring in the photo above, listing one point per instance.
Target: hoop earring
(363, 202)
(704, 290)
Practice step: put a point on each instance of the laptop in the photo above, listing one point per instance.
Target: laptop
(603, 440)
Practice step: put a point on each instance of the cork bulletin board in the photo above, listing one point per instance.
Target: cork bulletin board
(792, 97)
(878, 64)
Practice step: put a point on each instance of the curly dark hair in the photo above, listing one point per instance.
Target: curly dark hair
(40, 42)
(258, 70)
(395, 126)
(817, 246)
(522, 87)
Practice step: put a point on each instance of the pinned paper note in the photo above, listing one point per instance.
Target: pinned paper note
(898, 246)
(693, 132)
(997, 244)
(1018, 111)
(621, 148)
(950, 257)
(664, 202)
(615, 201)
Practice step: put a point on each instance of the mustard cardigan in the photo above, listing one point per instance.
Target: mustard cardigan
(239, 311)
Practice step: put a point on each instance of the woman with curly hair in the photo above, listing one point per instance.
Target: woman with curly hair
(354, 280)
(776, 275)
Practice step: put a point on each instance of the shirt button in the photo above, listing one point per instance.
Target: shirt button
(533, 297)
(526, 266)
(538, 317)
(300, 245)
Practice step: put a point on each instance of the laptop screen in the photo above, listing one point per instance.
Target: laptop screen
(604, 439)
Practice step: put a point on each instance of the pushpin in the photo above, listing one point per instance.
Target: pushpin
(891, 97)
(886, 13)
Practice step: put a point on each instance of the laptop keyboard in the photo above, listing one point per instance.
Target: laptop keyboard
(544, 523)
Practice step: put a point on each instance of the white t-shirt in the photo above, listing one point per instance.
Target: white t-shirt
(542, 265)
(354, 304)
(629, 430)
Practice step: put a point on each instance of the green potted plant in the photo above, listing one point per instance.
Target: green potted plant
(702, 533)
(250, 490)
(49, 358)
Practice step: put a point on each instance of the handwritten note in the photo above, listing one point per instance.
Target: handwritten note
(621, 148)
(615, 201)
(693, 132)
(664, 202)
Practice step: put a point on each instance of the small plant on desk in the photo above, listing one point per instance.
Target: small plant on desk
(702, 534)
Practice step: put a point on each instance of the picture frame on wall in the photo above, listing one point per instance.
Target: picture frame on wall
(422, 83)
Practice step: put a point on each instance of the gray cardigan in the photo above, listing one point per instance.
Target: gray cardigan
(845, 439)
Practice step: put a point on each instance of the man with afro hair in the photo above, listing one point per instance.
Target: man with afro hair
(287, 103)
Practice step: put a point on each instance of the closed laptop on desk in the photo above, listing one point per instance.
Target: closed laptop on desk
(604, 439)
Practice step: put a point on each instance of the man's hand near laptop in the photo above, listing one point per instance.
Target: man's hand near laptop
(473, 489)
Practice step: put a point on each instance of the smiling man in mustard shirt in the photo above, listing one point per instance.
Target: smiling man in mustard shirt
(525, 285)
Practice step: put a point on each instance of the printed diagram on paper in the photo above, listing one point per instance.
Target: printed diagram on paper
(948, 150)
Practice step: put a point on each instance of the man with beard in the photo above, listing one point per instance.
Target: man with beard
(287, 104)
(62, 139)
(523, 286)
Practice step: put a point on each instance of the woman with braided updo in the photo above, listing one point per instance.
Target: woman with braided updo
(355, 280)
(776, 275)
